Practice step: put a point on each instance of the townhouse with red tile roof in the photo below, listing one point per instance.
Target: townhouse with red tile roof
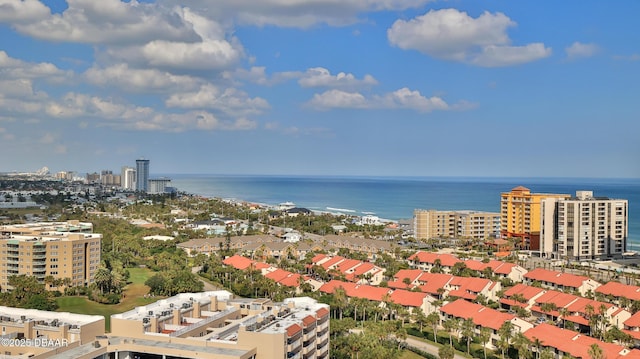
(562, 281)
(353, 270)
(564, 341)
(498, 268)
(427, 260)
(442, 285)
(483, 317)
(632, 326)
(619, 290)
(547, 303)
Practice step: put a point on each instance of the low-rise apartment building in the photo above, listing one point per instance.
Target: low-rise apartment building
(66, 251)
(455, 224)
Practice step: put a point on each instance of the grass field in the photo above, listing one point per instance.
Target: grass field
(133, 297)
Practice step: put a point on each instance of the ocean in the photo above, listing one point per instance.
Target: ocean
(396, 198)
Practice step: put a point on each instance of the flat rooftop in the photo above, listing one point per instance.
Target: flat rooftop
(20, 316)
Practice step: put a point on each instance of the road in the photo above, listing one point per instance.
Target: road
(426, 347)
(208, 287)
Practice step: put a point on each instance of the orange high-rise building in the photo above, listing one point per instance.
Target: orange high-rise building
(520, 212)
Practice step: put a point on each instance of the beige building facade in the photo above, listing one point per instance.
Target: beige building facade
(66, 251)
(455, 224)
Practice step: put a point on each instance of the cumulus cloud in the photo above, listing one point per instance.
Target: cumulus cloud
(312, 77)
(450, 34)
(403, 98)
(321, 77)
(12, 68)
(144, 33)
(106, 112)
(580, 50)
(140, 80)
(19, 11)
(338, 99)
(297, 13)
(110, 22)
(230, 101)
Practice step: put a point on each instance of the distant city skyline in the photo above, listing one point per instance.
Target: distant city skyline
(351, 88)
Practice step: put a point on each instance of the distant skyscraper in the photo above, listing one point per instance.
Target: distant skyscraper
(128, 178)
(142, 175)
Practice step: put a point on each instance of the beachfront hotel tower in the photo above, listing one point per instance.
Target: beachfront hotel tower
(520, 212)
(584, 227)
(142, 175)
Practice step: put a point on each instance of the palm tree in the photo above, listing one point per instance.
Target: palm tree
(340, 299)
(467, 329)
(595, 352)
(434, 319)
(505, 335)
(485, 335)
(522, 343)
(450, 326)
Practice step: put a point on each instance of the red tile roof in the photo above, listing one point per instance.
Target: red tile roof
(293, 329)
(347, 264)
(446, 260)
(332, 262)
(363, 268)
(412, 274)
(407, 298)
(356, 290)
(322, 312)
(572, 342)
(238, 262)
(633, 321)
(471, 284)
(308, 320)
(618, 289)
(561, 300)
(526, 291)
(557, 278)
(317, 258)
(434, 281)
(481, 315)
(278, 274)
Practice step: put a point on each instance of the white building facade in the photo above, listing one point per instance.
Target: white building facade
(584, 227)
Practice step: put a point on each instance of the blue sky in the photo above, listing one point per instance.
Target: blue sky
(322, 87)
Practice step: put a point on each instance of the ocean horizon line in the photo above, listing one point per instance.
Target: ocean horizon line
(404, 177)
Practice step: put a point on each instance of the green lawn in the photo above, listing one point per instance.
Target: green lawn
(133, 297)
(408, 354)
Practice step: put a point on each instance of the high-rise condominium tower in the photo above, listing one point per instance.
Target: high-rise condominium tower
(142, 175)
(128, 178)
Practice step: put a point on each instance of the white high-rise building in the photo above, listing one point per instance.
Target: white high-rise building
(584, 227)
(128, 177)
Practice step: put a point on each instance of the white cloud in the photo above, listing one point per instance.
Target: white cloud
(580, 50)
(230, 101)
(11, 68)
(105, 112)
(338, 99)
(258, 75)
(17, 11)
(321, 77)
(403, 98)
(110, 22)
(497, 56)
(297, 13)
(450, 34)
(140, 80)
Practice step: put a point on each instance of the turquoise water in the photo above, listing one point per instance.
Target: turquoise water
(396, 198)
